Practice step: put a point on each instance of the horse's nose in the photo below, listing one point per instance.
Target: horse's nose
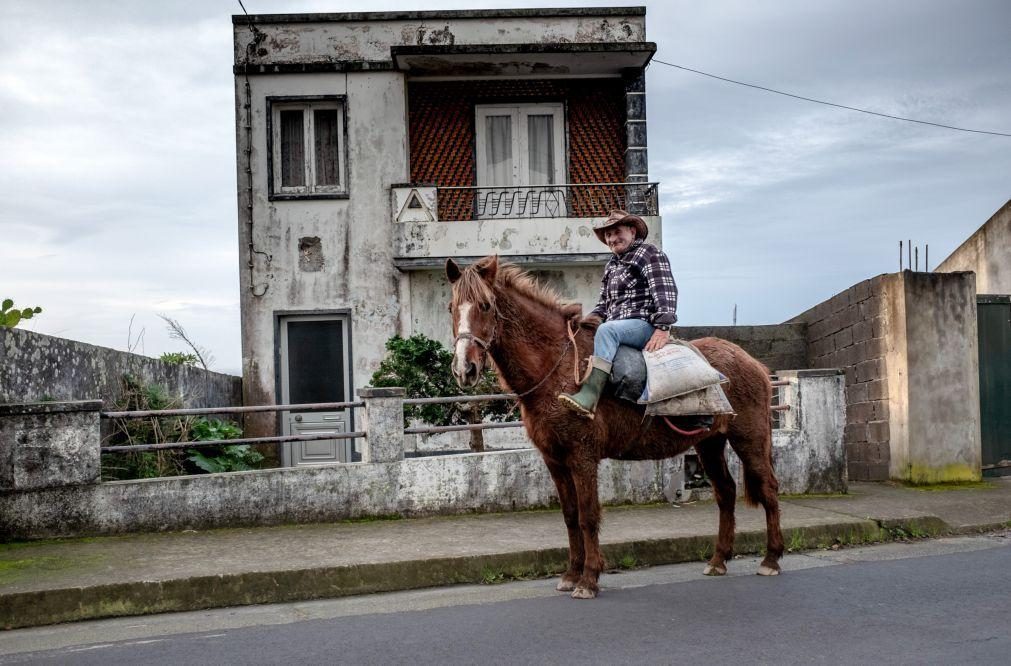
(471, 374)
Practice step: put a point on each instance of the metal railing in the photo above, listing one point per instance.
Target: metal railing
(545, 201)
(326, 406)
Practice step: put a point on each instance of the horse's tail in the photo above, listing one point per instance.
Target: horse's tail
(754, 481)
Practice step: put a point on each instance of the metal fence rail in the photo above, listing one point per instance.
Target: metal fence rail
(322, 406)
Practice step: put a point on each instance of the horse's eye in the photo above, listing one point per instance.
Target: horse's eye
(485, 307)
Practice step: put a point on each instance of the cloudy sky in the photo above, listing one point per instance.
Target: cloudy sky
(118, 163)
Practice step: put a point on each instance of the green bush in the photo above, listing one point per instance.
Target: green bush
(138, 396)
(179, 358)
(225, 458)
(422, 366)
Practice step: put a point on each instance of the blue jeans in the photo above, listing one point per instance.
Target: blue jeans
(632, 332)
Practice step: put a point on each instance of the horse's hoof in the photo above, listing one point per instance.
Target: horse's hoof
(712, 570)
(565, 585)
(583, 593)
(766, 570)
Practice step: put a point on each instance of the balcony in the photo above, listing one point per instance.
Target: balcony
(536, 226)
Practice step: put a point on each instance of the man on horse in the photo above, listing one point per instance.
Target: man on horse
(637, 304)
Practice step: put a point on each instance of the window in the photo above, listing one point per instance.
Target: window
(307, 148)
(520, 148)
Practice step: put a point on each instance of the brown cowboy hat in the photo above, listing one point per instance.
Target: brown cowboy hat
(620, 217)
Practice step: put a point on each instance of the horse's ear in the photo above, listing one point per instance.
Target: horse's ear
(452, 271)
(487, 268)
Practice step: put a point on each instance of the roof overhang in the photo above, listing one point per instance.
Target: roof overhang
(566, 59)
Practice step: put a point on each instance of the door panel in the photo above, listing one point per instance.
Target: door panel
(315, 367)
(994, 320)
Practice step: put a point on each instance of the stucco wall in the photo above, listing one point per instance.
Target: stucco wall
(987, 253)
(368, 37)
(936, 435)
(34, 366)
(357, 274)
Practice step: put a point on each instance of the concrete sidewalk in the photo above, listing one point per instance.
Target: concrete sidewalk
(67, 580)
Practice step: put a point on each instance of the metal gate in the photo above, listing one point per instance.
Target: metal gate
(994, 319)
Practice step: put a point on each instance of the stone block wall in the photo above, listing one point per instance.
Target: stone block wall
(779, 346)
(36, 367)
(848, 331)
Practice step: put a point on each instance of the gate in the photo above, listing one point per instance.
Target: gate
(993, 314)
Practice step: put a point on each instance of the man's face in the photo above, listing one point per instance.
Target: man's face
(619, 238)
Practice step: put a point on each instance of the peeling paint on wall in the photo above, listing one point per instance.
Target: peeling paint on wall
(310, 254)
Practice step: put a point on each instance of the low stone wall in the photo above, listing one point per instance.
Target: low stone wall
(41, 501)
(779, 346)
(36, 367)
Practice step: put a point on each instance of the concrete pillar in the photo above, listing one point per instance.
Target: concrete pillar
(47, 445)
(932, 361)
(383, 424)
(815, 460)
(636, 163)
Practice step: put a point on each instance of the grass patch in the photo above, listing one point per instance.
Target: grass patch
(952, 485)
(814, 496)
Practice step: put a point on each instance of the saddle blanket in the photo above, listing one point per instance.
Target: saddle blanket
(681, 381)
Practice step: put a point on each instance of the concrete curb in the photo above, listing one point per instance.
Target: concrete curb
(28, 609)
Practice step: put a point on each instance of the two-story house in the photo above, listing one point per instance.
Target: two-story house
(371, 147)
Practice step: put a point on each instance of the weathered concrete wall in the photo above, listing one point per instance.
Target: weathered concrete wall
(357, 275)
(936, 436)
(49, 445)
(35, 367)
(499, 481)
(778, 346)
(505, 237)
(808, 457)
(987, 253)
(907, 343)
(368, 37)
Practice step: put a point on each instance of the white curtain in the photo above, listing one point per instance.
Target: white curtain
(498, 145)
(540, 150)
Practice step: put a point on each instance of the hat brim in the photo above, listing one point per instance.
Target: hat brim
(636, 222)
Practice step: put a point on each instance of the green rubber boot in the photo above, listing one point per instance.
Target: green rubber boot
(584, 402)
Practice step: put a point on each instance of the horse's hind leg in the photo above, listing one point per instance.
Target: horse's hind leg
(761, 487)
(714, 462)
(584, 475)
(570, 512)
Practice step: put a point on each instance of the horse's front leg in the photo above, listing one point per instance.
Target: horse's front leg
(570, 512)
(584, 475)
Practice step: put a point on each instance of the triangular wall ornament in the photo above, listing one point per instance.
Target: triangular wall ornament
(416, 206)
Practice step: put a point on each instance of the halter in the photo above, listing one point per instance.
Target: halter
(483, 344)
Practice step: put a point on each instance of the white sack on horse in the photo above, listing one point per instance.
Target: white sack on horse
(710, 401)
(675, 370)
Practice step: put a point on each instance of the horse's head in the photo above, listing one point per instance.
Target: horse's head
(475, 317)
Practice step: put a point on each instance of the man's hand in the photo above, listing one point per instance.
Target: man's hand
(657, 341)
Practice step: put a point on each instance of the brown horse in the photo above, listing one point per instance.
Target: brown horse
(501, 311)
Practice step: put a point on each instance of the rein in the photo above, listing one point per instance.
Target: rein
(575, 362)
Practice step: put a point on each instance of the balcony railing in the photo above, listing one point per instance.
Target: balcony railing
(545, 201)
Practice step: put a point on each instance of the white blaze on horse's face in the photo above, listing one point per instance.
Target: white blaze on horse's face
(467, 355)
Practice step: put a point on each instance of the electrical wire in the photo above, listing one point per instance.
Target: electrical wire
(819, 101)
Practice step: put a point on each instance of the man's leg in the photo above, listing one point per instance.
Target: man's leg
(612, 334)
(609, 336)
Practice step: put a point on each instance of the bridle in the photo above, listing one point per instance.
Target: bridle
(485, 346)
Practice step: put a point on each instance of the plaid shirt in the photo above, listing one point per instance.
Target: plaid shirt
(638, 285)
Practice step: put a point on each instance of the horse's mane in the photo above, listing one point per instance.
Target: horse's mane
(472, 288)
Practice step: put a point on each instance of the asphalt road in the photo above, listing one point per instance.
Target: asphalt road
(944, 601)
